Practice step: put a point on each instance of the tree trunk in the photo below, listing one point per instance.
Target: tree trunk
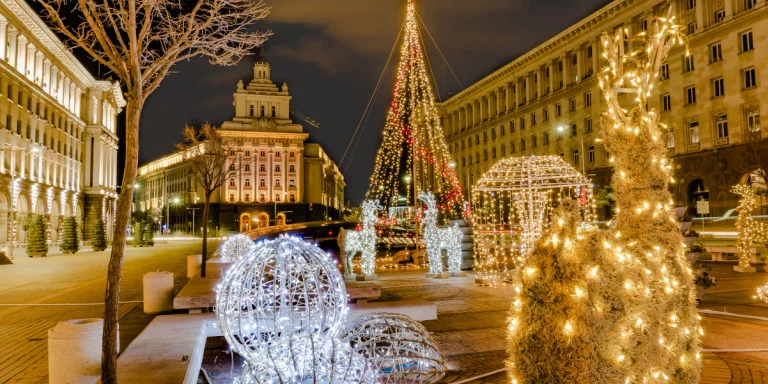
(122, 217)
(206, 209)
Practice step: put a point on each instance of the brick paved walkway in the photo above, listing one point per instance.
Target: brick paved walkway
(61, 281)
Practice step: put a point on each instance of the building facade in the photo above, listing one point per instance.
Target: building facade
(278, 179)
(548, 102)
(58, 147)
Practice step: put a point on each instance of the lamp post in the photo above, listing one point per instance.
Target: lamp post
(193, 219)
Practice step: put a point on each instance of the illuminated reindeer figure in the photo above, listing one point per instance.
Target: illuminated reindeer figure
(749, 229)
(439, 239)
(363, 241)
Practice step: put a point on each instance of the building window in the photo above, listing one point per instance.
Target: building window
(231, 152)
(247, 198)
(277, 198)
(749, 4)
(231, 197)
(588, 125)
(533, 118)
(262, 168)
(262, 111)
(251, 109)
(485, 155)
(291, 168)
(485, 137)
(572, 104)
(719, 15)
(247, 153)
(573, 130)
(692, 28)
(503, 150)
(669, 140)
(277, 182)
(247, 182)
(534, 141)
(591, 154)
(522, 144)
(688, 63)
(274, 111)
(718, 87)
(746, 41)
(715, 52)
(262, 153)
(277, 168)
(690, 4)
(277, 154)
(721, 124)
(247, 168)
(512, 126)
(477, 139)
(262, 198)
(546, 137)
(503, 130)
(493, 133)
(558, 110)
(232, 167)
(750, 80)
(588, 99)
(231, 182)
(292, 197)
(291, 154)
(522, 122)
(575, 157)
(693, 132)
(589, 53)
(511, 147)
(690, 95)
(262, 182)
(493, 152)
(291, 183)
(665, 71)
(545, 113)
(644, 24)
(752, 115)
(666, 102)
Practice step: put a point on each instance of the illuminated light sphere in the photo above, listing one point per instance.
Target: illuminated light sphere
(511, 205)
(396, 347)
(234, 247)
(762, 293)
(439, 239)
(283, 287)
(304, 359)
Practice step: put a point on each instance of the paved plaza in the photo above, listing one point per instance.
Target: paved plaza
(37, 293)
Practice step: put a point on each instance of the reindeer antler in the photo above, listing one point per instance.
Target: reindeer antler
(428, 198)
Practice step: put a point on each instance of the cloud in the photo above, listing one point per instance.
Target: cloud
(327, 55)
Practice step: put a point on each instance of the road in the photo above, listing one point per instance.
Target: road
(36, 293)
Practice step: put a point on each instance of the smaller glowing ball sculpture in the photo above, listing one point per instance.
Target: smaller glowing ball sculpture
(235, 247)
(762, 293)
(439, 239)
(282, 288)
(396, 348)
(307, 359)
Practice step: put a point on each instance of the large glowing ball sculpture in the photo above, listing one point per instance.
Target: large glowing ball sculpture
(309, 359)
(396, 348)
(283, 287)
(235, 247)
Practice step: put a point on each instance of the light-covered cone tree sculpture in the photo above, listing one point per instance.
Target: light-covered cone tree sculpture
(625, 296)
(749, 230)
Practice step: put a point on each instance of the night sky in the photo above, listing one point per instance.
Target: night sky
(331, 54)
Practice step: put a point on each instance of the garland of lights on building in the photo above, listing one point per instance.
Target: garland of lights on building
(623, 299)
(511, 204)
(749, 229)
(413, 126)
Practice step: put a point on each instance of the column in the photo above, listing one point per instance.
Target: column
(700, 19)
(23, 168)
(2, 160)
(3, 37)
(508, 90)
(552, 70)
(595, 57)
(39, 67)
(13, 35)
(540, 82)
(29, 68)
(566, 69)
(65, 92)
(499, 102)
(518, 99)
(579, 64)
(78, 100)
(474, 114)
(21, 54)
(528, 87)
(47, 70)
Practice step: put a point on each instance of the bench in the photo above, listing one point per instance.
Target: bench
(361, 292)
(169, 350)
(418, 310)
(719, 252)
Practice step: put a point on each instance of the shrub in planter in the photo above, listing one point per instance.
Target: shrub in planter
(36, 243)
(99, 242)
(69, 238)
(138, 234)
(149, 236)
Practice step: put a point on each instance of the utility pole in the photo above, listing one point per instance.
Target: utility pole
(193, 220)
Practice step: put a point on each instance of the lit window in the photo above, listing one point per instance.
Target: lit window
(753, 119)
(232, 198)
(575, 157)
(670, 140)
(665, 71)
(692, 28)
(693, 132)
(247, 182)
(591, 154)
(247, 197)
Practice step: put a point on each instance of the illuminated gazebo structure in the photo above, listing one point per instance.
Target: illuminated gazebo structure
(510, 207)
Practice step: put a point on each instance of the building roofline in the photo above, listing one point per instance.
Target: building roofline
(541, 49)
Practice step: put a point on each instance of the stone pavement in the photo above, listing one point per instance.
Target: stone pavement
(36, 293)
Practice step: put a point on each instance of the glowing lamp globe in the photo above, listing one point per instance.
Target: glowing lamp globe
(306, 359)
(235, 247)
(397, 348)
(281, 288)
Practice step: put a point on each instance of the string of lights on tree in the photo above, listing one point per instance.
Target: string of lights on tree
(511, 205)
(622, 299)
(749, 230)
(413, 135)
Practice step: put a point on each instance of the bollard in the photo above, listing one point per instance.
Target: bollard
(194, 263)
(74, 351)
(158, 292)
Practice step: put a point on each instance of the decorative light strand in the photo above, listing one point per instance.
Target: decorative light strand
(439, 239)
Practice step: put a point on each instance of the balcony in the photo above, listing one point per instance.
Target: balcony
(721, 141)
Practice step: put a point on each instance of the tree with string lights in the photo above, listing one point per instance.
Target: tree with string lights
(413, 148)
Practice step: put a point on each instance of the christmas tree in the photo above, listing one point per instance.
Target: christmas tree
(413, 149)
(138, 234)
(69, 238)
(36, 243)
(615, 305)
(99, 242)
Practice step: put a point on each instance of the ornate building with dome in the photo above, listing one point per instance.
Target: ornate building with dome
(281, 179)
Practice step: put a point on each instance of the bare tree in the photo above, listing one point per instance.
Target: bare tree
(139, 41)
(208, 154)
